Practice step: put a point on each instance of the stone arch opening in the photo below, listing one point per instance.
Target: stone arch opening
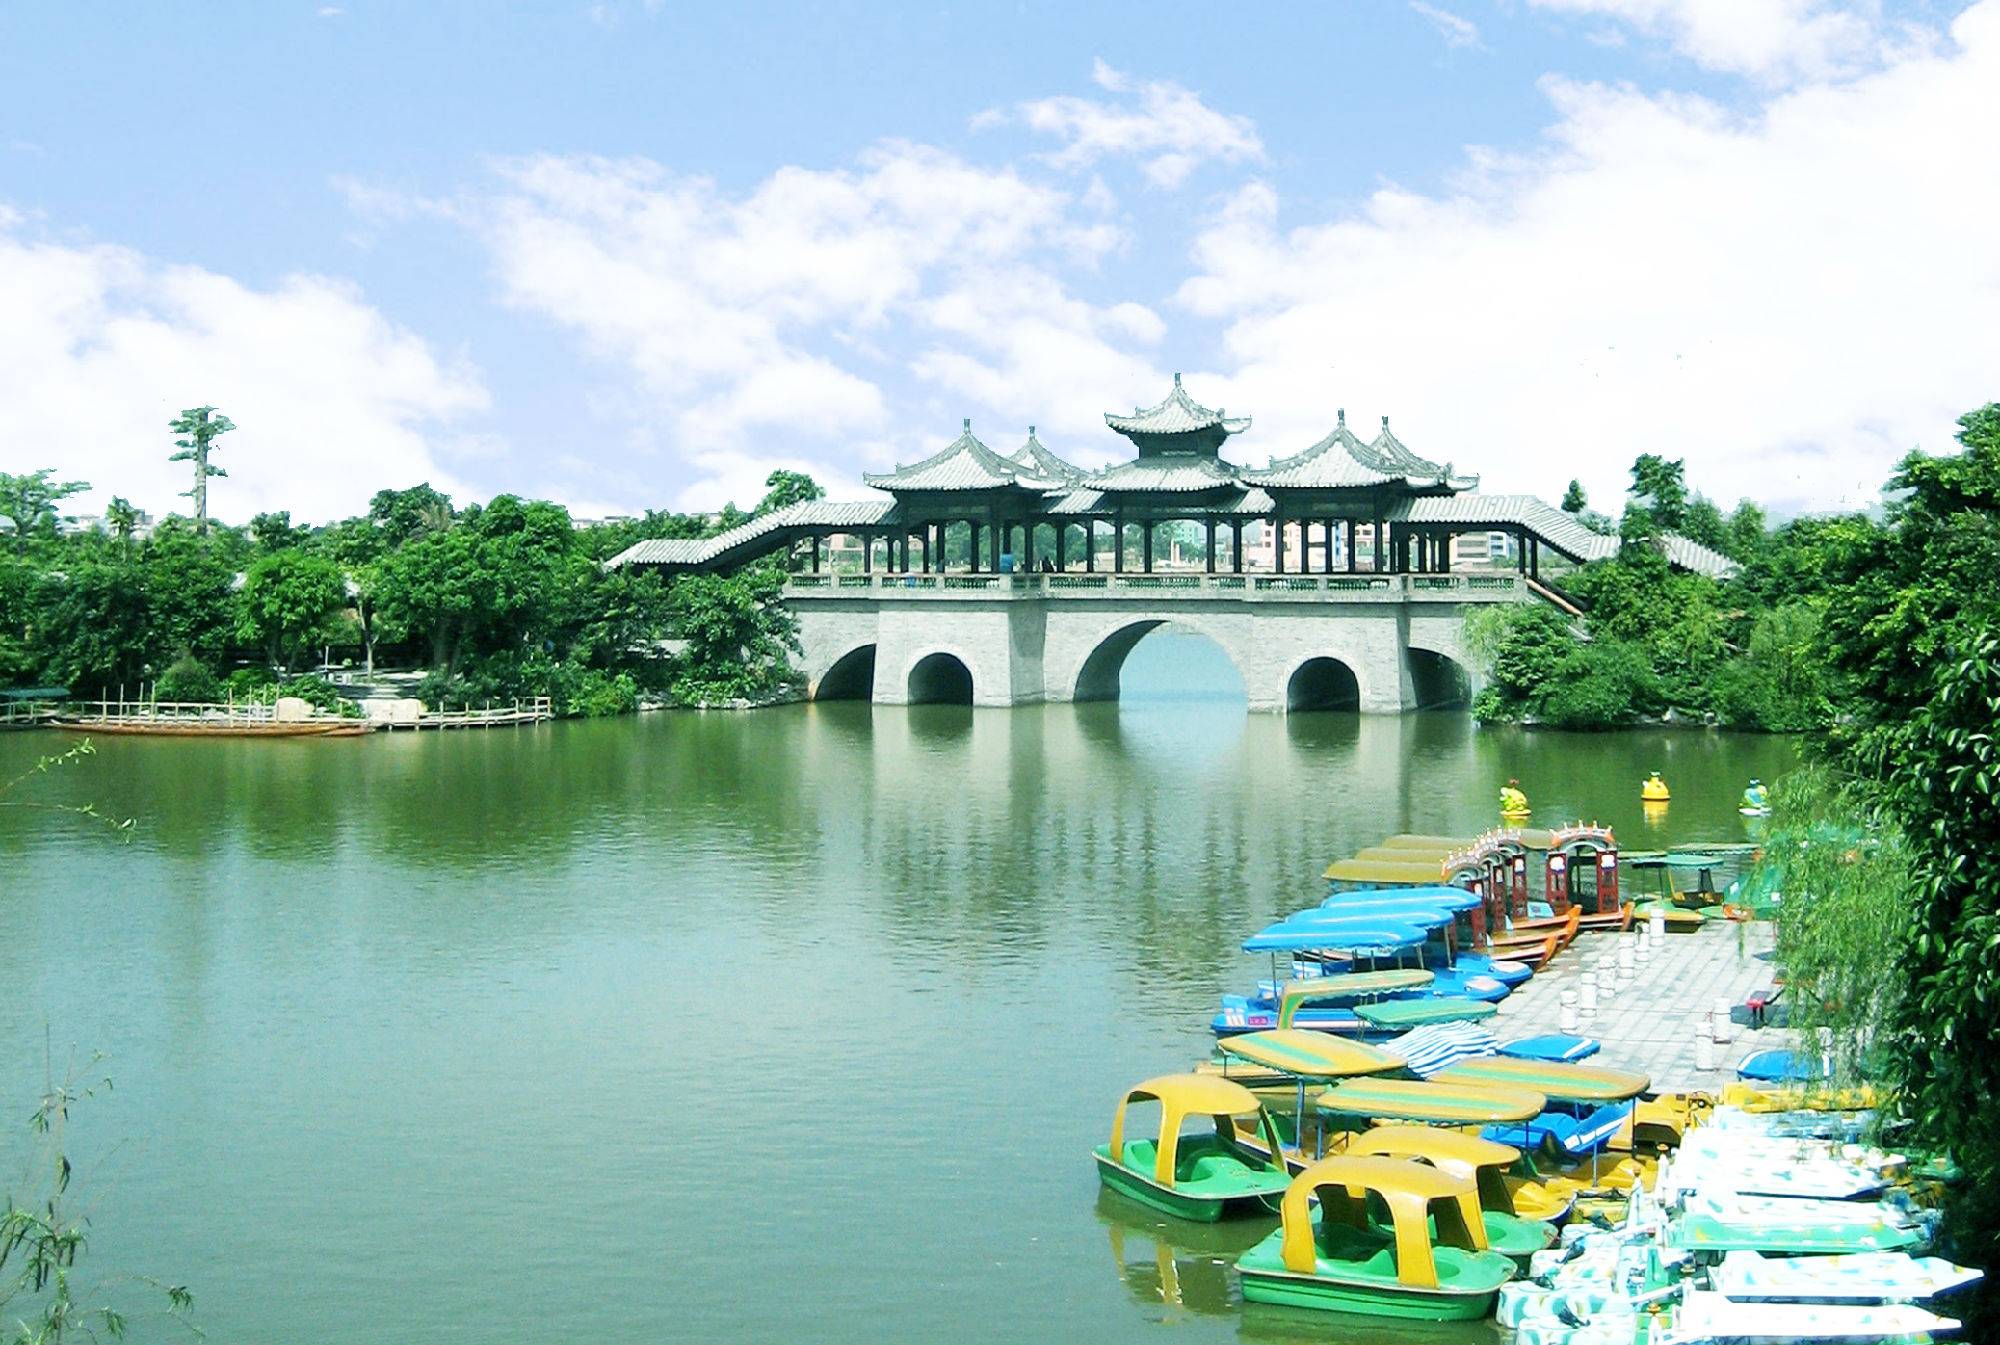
(851, 678)
(1438, 682)
(1098, 681)
(940, 679)
(1322, 684)
(1191, 666)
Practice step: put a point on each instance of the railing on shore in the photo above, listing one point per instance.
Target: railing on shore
(1332, 587)
(28, 714)
(490, 715)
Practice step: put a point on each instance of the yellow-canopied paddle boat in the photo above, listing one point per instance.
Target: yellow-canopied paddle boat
(1277, 1065)
(1199, 1177)
(1484, 1163)
(1513, 803)
(1654, 790)
(1388, 1238)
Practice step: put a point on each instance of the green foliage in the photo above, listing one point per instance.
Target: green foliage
(596, 695)
(29, 502)
(1746, 530)
(1659, 485)
(783, 489)
(275, 531)
(738, 635)
(288, 603)
(1602, 685)
(1574, 501)
(1704, 523)
(187, 678)
(1780, 685)
(1521, 648)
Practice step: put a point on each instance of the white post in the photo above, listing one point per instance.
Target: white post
(1718, 1019)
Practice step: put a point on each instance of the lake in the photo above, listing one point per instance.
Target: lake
(795, 1025)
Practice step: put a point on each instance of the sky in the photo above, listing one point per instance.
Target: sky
(632, 255)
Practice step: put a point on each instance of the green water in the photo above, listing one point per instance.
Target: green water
(793, 1026)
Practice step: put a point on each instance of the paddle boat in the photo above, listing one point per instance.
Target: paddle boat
(1556, 1047)
(1654, 790)
(1442, 917)
(1199, 1177)
(1590, 1105)
(1374, 1100)
(1513, 803)
(1484, 1163)
(1278, 1065)
(1400, 1015)
(1756, 803)
(1321, 1003)
(1727, 1223)
(1851, 1277)
(1711, 1316)
(1385, 1237)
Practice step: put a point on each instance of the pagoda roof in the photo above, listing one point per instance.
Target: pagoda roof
(964, 464)
(1034, 456)
(1177, 414)
(1389, 453)
(1340, 461)
(1165, 473)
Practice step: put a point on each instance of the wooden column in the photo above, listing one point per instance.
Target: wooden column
(1090, 546)
(1209, 552)
(1239, 545)
(1353, 561)
(1146, 546)
(1118, 543)
(1278, 542)
(1062, 546)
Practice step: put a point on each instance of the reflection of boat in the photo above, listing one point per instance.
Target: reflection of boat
(1194, 1176)
(1189, 1263)
(1427, 1260)
(1482, 1162)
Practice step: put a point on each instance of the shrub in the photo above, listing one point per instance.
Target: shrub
(597, 695)
(187, 678)
(1603, 685)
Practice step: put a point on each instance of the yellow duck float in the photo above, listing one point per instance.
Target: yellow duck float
(1513, 803)
(1654, 790)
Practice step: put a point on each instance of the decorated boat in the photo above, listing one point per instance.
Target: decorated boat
(1200, 1176)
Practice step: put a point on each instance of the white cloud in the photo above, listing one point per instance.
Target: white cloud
(1773, 40)
(1456, 30)
(758, 325)
(1171, 129)
(102, 346)
(1790, 300)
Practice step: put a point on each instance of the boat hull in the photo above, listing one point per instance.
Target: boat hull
(1196, 1209)
(348, 728)
(1365, 1299)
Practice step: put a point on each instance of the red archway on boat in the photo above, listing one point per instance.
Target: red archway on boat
(1583, 866)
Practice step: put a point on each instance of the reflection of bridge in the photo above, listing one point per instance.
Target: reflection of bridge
(1300, 642)
(1003, 580)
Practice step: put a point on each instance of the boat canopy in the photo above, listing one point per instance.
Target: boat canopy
(1346, 985)
(1451, 898)
(1418, 912)
(1564, 1083)
(1431, 1103)
(1481, 1161)
(1406, 1013)
(1308, 1055)
(1417, 1197)
(1417, 872)
(1336, 936)
(1414, 841)
(1181, 1096)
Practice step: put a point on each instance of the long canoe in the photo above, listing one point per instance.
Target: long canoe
(1430, 1103)
(1398, 1014)
(197, 728)
(1559, 1082)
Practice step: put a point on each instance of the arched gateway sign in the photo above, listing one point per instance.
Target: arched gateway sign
(1336, 578)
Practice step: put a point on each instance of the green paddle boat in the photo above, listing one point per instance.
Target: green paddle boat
(1400, 1015)
(1200, 1177)
(1388, 1238)
(1480, 1161)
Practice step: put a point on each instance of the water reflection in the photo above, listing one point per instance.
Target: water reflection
(1173, 1263)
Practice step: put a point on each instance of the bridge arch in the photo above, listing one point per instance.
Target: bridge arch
(1437, 680)
(1322, 683)
(1097, 679)
(940, 677)
(851, 677)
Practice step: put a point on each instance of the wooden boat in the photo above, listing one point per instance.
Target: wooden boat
(1482, 1162)
(1200, 1177)
(218, 728)
(1347, 875)
(1429, 1263)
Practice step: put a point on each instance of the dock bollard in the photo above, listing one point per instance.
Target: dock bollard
(1607, 979)
(1628, 961)
(1718, 1019)
(1587, 998)
(1566, 1019)
(1656, 924)
(1704, 1049)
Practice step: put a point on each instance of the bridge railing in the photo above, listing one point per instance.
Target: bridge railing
(1264, 586)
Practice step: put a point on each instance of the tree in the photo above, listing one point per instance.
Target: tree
(123, 518)
(1661, 484)
(406, 514)
(29, 501)
(783, 489)
(275, 531)
(188, 595)
(1703, 522)
(1574, 500)
(1746, 532)
(200, 427)
(288, 599)
(434, 588)
(738, 634)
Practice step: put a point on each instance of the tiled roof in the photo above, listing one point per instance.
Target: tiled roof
(963, 464)
(1559, 530)
(1037, 459)
(1168, 472)
(1252, 503)
(1178, 414)
(1340, 460)
(685, 552)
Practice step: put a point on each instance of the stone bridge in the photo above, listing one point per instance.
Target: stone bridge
(1380, 643)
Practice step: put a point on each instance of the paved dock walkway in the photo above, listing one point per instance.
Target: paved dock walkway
(1651, 1022)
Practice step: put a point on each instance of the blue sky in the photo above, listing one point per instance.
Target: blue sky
(633, 254)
